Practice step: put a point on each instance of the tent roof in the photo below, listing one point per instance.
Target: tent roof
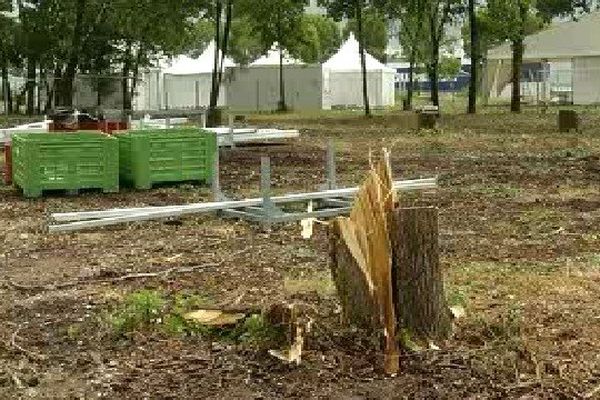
(185, 65)
(560, 40)
(272, 57)
(348, 58)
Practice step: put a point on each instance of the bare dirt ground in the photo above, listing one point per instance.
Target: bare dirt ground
(520, 215)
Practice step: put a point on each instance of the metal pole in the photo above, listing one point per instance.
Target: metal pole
(216, 183)
(168, 123)
(203, 120)
(231, 140)
(265, 188)
(331, 169)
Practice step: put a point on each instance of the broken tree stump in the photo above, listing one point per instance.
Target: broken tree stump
(568, 121)
(359, 306)
(421, 307)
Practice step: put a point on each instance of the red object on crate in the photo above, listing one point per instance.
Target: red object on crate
(110, 127)
(7, 164)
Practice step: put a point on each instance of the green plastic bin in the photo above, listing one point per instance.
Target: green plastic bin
(65, 161)
(148, 157)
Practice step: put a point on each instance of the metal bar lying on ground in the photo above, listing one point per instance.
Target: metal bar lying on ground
(96, 219)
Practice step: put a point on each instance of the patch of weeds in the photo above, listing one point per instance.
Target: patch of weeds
(140, 310)
(175, 322)
(574, 152)
(148, 310)
(456, 296)
(256, 330)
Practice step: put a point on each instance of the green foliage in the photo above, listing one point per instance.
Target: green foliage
(375, 32)
(273, 20)
(317, 39)
(149, 310)
(257, 331)
(449, 67)
(140, 310)
(245, 44)
(502, 20)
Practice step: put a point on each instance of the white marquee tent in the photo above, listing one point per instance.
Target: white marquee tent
(342, 79)
(575, 44)
(272, 58)
(187, 81)
(256, 87)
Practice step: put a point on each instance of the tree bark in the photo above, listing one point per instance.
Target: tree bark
(211, 119)
(125, 78)
(31, 80)
(433, 67)
(517, 62)
(282, 105)
(71, 70)
(5, 88)
(363, 61)
(411, 80)
(359, 306)
(421, 306)
(472, 109)
(225, 45)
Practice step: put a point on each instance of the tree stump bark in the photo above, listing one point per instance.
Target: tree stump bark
(359, 307)
(421, 307)
(567, 120)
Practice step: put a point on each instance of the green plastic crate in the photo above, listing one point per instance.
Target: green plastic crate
(65, 161)
(148, 157)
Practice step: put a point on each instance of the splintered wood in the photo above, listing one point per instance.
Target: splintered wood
(385, 265)
(365, 287)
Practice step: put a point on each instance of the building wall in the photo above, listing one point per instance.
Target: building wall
(256, 88)
(586, 80)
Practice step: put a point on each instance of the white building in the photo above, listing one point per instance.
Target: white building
(568, 59)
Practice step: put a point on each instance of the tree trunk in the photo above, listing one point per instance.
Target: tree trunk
(474, 58)
(211, 119)
(411, 81)
(433, 72)
(418, 297)
(517, 62)
(31, 80)
(282, 106)
(433, 67)
(363, 60)
(421, 306)
(5, 88)
(136, 73)
(225, 45)
(125, 78)
(71, 70)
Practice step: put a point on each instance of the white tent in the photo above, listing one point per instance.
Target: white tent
(272, 57)
(573, 43)
(342, 79)
(187, 81)
(256, 87)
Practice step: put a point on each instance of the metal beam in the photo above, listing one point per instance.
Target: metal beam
(170, 211)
